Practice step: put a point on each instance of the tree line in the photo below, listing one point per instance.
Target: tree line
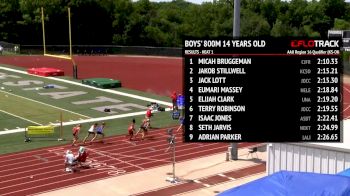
(145, 23)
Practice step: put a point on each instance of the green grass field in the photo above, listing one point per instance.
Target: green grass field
(24, 102)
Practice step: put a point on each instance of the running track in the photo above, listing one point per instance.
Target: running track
(42, 170)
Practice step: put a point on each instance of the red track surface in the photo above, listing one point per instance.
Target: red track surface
(149, 74)
(346, 101)
(204, 182)
(115, 157)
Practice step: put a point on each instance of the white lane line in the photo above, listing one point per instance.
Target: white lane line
(346, 108)
(44, 103)
(197, 181)
(347, 89)
(223, 175)
(206, 185)
(18, 117)
(99, 89)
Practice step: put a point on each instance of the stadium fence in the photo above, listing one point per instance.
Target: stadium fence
(10, 48)
(102, 50)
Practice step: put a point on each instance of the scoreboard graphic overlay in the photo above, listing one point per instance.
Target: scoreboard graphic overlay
(263, 90)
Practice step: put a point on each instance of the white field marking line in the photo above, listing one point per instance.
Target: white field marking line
(12, 131)
(105, 118)
(93, 157)
(127, 173)
(44, 103)
(41, 179)
(104, 90)
(19, 117)
(86, 121)
(116, 142)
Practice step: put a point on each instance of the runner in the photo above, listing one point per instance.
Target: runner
(99, 130)
(148, 116)
(144, 128)
(76, 130)
(91, 131)
(174, 100)
(131, 129)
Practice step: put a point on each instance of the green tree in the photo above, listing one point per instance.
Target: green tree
(340, 24)
(9, 30)
(253, 24)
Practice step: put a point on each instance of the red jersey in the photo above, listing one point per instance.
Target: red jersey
(82, 157)
(75, 130)
(173, 97)
(149, 113)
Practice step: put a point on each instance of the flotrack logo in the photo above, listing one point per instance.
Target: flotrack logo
(314, 43)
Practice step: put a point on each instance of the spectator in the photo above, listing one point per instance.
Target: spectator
(82, 155)
(70, 161)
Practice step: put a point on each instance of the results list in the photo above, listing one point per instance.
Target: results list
(263, 90)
